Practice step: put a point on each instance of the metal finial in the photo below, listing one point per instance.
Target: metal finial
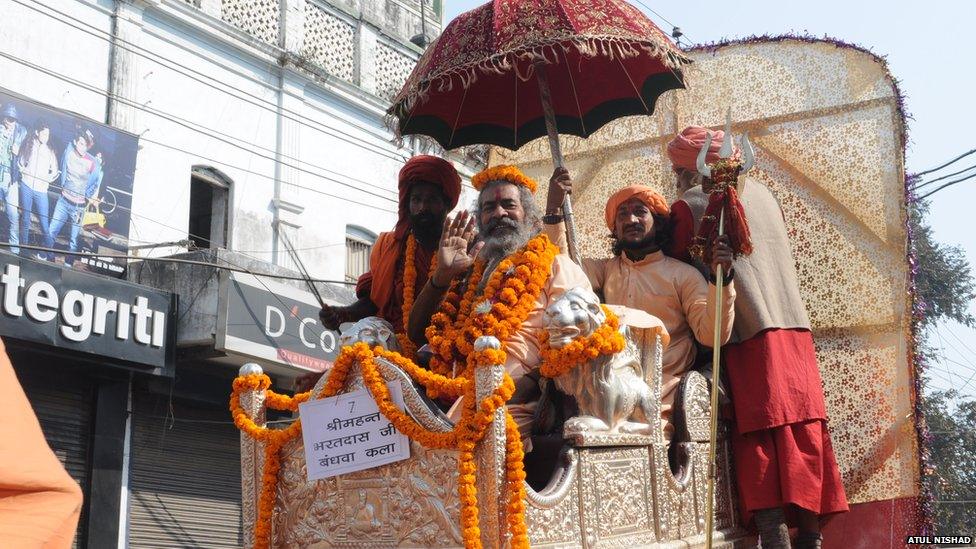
(702, 155)
(726, 150)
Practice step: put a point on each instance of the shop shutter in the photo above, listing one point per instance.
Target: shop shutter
(185, 481)
(63, 402)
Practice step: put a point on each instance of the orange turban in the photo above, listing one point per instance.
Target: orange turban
(426, 169)
(684, 148)
(654, 201)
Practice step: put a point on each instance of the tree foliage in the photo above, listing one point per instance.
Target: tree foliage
(944, 282)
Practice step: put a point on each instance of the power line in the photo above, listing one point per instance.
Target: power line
(923, 184)
(203, 78)
(176, 260)
(663, 18)
(230, 139)
(953, 161)
(224, 163)
(949, 184)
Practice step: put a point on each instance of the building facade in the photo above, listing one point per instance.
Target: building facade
(259, 126)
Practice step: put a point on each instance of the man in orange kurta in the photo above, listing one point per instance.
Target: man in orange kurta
(782, 449)
(640, 276)
(429, 188)
(39, 502)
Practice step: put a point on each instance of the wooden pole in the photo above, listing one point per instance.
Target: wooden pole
(713, 408)
(557, 156)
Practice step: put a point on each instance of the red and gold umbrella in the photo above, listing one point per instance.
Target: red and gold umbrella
(511, 71)
(476, 82)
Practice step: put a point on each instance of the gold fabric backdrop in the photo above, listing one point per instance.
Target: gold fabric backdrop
(828, 132)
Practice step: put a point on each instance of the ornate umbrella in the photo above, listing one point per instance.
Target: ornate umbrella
(511, 71)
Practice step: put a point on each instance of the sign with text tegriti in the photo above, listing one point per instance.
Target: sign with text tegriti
(82, 312)
(347, 433)
(273, 322)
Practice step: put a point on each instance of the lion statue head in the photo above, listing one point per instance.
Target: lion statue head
(574, 314)
(371, 330)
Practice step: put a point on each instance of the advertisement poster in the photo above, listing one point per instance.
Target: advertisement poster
(66, 185)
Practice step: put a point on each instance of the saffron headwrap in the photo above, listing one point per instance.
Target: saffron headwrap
(654, 202)
(684, 148)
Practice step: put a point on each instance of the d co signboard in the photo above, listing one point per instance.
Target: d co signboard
(273, 323)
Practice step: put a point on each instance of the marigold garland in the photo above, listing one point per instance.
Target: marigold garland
(605, 340)
(503, 173)
(507, 300)
(407, 347)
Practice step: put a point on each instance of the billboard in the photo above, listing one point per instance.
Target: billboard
(65, 186)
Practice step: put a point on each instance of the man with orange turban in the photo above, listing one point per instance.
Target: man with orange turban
(640, 276)
(429, 189)
(782, 450)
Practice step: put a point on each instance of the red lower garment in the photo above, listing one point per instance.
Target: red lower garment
(789, 464)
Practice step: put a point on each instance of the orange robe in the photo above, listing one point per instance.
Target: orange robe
(523, 348)
(671, 290)
(39, 502)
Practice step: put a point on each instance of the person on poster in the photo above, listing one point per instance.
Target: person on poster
(12, 134)
(81, 176)
(38, 167)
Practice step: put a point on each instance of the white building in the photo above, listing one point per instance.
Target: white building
(254, 117)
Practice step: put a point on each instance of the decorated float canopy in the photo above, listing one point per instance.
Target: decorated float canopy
(828, 128)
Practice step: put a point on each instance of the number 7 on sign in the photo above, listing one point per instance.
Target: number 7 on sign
(352, 406)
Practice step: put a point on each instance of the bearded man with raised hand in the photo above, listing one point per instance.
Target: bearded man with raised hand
(507, 276)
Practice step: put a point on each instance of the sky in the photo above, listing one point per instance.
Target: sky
(929, 50)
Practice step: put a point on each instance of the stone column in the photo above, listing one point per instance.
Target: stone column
(126, 66)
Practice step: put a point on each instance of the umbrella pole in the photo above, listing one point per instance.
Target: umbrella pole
(557, 156)
(713, 408)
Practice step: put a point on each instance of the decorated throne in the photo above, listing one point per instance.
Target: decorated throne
(612, 485)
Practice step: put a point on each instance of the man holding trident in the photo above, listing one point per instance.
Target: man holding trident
(784, 462)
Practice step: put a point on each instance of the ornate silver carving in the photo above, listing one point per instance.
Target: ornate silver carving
(252, 459)
(611, 391)
(490, 457)
(617, 508)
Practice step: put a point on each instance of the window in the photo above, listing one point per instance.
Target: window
(359, 242)
(209, 205)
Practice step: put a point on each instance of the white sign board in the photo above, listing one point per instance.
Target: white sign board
(348, 433)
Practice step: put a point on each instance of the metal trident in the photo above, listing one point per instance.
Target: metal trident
(726, 174)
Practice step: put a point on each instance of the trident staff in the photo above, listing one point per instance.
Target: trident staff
(725, 174)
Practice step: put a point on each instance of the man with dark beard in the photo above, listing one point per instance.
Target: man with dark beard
(429, 189)
(640, 276)
(500, 285)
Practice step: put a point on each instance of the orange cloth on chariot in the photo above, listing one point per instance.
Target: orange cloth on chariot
(39, 502)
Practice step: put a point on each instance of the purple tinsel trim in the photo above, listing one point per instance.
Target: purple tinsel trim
(926, 509)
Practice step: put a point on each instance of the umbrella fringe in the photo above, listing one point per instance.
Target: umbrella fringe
(414, 93)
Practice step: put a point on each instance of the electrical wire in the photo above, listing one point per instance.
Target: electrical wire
(945, 185)
(949, 163)
(173, 260)
(926, 183)
(217, 135)
(199, 76)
